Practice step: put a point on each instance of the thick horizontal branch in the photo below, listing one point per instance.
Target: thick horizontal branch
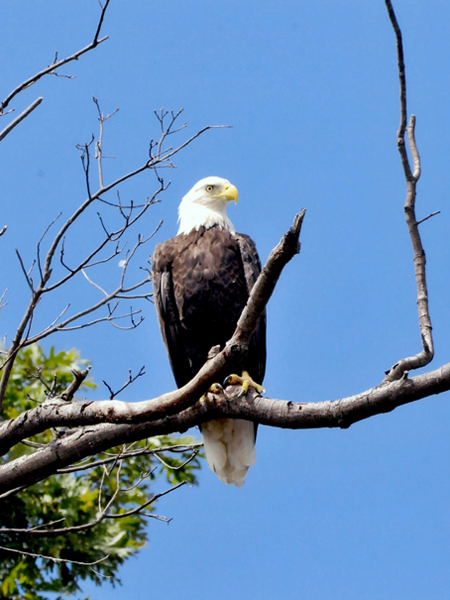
(87, 441)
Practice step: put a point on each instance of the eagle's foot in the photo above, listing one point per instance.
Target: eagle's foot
(215, 388)
(245, 381)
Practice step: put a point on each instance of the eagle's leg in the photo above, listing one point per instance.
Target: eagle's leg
(245, 381)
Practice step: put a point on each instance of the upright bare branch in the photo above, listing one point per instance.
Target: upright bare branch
(411, 176)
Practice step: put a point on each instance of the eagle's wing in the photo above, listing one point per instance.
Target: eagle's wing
(252, 269)
(167, 311)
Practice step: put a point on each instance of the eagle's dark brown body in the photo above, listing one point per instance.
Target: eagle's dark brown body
(201, 283)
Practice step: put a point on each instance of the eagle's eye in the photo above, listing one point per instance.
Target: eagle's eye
(209, 188)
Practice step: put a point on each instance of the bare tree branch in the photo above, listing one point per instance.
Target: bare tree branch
(20, 118)
(99, 144)
(157, 159)
(437, 212)
(411, 176)
(131, 379)
(152, 500)
(57, 64)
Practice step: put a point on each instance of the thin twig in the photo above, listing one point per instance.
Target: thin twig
(144, 452)
(186, 462)
(25, 272)
(42, 239)
(437, 212)
(145, 504)
(131, 379)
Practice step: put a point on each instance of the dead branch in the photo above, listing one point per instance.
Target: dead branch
(99, 144)
(140, 508)
(78, 378)
(411, 176)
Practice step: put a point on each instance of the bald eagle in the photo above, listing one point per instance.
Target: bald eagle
(201, 281)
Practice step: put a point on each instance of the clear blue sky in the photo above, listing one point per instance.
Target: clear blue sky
(311, 92)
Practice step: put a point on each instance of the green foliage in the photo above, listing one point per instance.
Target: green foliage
(78, 498)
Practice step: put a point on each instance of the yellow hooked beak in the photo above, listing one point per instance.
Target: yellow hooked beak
(230, 192)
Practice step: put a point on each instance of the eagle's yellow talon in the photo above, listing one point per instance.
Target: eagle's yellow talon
(232, 380)
(245, 381)
(215, 388)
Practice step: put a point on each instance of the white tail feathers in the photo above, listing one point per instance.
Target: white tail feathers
(229, 448)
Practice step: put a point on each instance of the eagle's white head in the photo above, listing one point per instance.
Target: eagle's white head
(205, 205)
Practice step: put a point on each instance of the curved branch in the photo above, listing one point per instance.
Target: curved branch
(426, 355)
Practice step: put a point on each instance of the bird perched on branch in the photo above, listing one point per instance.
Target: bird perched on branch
(201, 280)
